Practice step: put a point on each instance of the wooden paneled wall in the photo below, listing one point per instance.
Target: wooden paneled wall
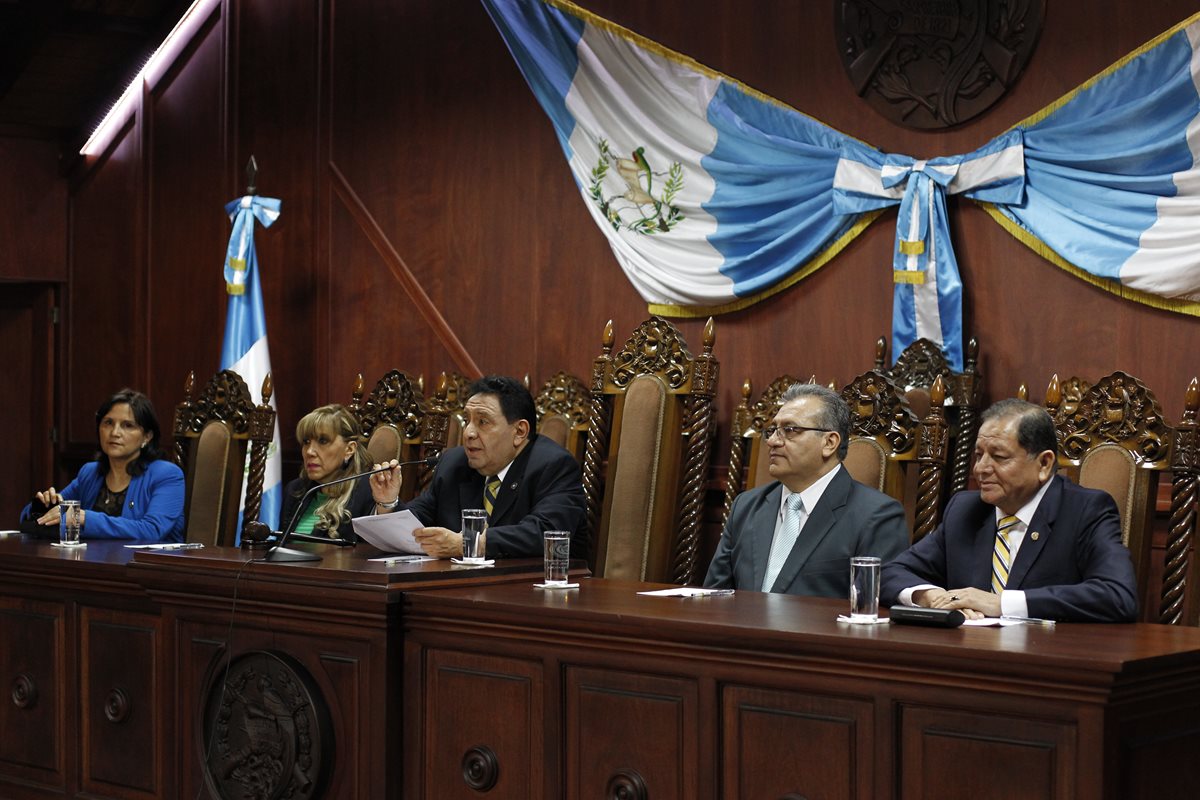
(408, 151)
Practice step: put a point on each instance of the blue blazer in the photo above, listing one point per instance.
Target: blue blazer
(850, 519)
(542, 490)
(1074, 569)
(153, 510)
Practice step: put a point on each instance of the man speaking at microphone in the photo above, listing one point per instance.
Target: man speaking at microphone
(527, 483)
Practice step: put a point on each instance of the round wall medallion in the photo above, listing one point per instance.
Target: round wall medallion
(935, 63)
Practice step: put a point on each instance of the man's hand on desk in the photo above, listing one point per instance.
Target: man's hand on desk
(974, 603)
(439, 542)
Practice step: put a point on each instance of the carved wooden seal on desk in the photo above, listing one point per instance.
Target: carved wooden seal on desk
(266, 730)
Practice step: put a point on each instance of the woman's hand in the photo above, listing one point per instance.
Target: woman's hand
(385, 487)
(48, 498)
(53, 516)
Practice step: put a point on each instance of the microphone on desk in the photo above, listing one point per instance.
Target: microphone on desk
(281, 553)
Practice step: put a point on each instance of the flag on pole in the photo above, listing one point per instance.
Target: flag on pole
(245, 350)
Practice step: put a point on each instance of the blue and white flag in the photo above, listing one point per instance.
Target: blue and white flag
(928, 296)
(245, 350)
(711, 195)
(1112, 182)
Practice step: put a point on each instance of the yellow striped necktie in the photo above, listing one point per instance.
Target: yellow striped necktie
(1002, 553)
(490, 490)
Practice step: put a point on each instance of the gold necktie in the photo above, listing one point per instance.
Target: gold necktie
(490, 490)
(1002, 554)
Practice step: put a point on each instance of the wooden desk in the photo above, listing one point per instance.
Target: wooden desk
(600, 692)
(114, 660)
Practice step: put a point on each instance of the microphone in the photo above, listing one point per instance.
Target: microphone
(281, 553)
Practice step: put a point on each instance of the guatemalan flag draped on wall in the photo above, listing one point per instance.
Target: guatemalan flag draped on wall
(245, 350)
(707, 191)
(713, 196)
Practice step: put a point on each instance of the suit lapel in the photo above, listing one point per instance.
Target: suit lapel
(507, 495)
(1040, 528)
(470, 491)
(820, 521)
(980, 573)
(761, 526)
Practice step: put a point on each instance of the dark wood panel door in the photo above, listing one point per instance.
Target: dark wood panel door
(32, 717)
(27, 353)
(484, 734)
(122, 735)
(791, 744)
(631, 735)
(984, 756)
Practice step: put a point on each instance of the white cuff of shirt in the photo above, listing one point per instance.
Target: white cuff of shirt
(1013, 604)
(905, 597)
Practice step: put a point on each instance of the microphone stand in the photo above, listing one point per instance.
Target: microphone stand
(279, 553)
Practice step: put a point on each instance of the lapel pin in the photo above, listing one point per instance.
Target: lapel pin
(1034, 536)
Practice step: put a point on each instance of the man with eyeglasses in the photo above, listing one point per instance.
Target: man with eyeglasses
(1029, 543)
(797, 534)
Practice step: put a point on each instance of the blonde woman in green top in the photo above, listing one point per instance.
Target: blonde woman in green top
(331, 446)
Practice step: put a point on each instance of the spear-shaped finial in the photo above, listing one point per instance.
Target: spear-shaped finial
(251, 175)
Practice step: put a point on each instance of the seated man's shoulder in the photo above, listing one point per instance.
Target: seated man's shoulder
(870, 497)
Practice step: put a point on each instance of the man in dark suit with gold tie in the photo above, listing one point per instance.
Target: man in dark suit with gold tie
(797, 534)
(1028, 543)
(526, 482)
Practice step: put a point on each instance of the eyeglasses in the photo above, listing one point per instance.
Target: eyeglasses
(790, 431)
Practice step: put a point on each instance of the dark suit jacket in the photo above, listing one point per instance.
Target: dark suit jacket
(542, 491)
(361, 504)
(850, 519)
(1075, 568)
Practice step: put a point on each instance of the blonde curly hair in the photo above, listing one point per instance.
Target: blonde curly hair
(335, 420)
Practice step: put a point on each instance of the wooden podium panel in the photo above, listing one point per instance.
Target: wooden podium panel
(648, 714)
(32, 717)
(458, 682)
(202, 673)
(762, 729)
(762, 695)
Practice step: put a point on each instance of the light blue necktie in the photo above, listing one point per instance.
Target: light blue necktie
(785, 539)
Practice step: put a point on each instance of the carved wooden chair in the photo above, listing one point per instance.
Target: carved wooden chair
(399, 424)
(212, 436)
(652, 419)
(914, 372)
(563, 404)
(887, 443)
(748, 451)
(451, 394)
(1117, 439)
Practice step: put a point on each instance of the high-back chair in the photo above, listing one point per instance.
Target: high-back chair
(1119, 441)
(914, 372)
(563, 404)
(748, 451)
(451, 394)
(1185, 489)
(212, 436)
(652, 419)
(400, 425)
(888, 444)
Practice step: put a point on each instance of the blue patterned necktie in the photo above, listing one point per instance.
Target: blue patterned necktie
(785, 539)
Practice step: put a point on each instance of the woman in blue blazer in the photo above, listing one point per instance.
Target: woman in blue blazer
(130, 491)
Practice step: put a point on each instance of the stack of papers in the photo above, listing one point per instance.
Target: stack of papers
(391, 533)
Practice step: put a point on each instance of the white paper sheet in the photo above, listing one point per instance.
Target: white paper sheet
(687, 591)
(391, 533)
